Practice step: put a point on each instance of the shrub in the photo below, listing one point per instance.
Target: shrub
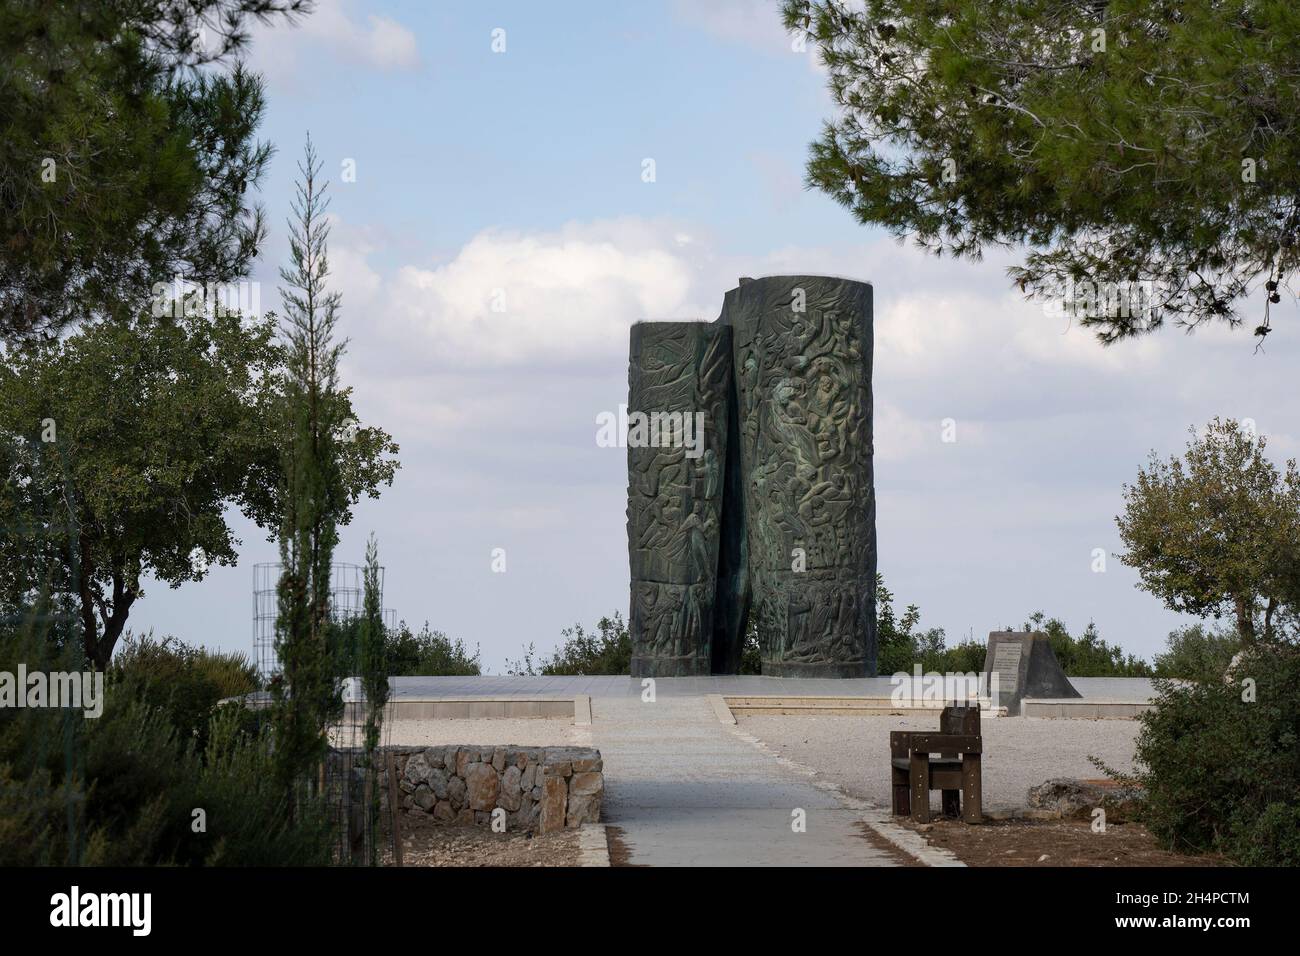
(184, 682)
(247, 819)
(1086, 655)
(1195, 653)
(36, 807)
(606, 650)
(965, 658)
(428, 654)
(1222, 773)
(1274, 837)
(141, 800)
(121, 789)
(901, 645)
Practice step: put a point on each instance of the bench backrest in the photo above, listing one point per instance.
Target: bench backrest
(959, 732)
(960, 719)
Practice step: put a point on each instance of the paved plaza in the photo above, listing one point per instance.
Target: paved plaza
(686, 788)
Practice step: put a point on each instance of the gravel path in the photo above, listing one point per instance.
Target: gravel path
(1019, 752)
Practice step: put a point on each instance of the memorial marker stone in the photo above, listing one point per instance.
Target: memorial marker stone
(1020, 664)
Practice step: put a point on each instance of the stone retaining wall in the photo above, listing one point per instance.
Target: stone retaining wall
(540, 788)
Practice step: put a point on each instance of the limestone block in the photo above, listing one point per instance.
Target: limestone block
(555, 792)
(510, 797)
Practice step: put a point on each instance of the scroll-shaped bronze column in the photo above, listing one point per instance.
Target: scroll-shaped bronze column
(802, 350)
(679, 384)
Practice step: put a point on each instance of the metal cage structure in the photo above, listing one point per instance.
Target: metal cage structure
(347, 601)
(350, 783)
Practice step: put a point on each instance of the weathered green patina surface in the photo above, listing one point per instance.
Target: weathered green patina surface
(771, 511)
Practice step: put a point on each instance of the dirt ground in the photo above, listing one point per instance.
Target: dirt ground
(1052, 843)
(426, 843)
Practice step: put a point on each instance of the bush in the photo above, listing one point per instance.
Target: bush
(35, 809)
(247, 816)
(121, 789)
(428, 654)
(1222, 773)
(901, 645)
(183, 682)
(606, 650)
(1273, 839)
(1195, 653)
(1086, 655)
(142, 797)
(965, 658)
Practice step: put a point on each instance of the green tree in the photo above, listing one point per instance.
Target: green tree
(373, 671)
(895, 636)
(121, 163)
(901, 644)
(306, 692)
(372, 661)
(1121, 141)
(124, 445)
(1218, 531)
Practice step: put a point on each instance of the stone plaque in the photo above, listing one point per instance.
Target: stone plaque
(1026, 666)
(1006, 664)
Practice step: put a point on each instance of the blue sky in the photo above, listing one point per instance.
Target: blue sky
(519, 174)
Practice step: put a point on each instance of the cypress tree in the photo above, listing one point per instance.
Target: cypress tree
(307, 697)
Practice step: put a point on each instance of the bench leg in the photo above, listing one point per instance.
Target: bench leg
(919, 778)
(972, 789)
(902, 794)
(952, 803)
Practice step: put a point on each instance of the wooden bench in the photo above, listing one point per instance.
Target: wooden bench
(955, 771)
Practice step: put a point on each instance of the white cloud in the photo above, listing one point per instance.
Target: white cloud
(333, 29)
(389, 46)
(510, 298)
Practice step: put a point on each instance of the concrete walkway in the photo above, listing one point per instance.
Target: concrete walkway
(688, 791)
